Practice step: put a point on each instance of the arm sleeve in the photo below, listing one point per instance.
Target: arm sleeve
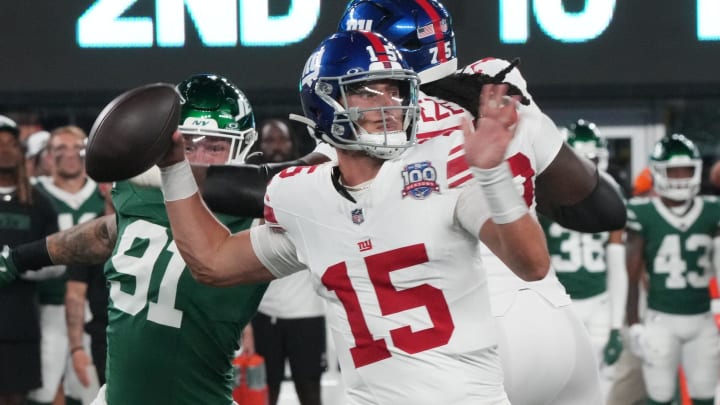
(471, 210)
(239, 190)
(81, 273)
(617, 283)
(602, 210)
(275, 251)
(44, 273)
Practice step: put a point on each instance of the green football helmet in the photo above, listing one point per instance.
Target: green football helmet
(213, 107)
(584, 137)
(675, 151)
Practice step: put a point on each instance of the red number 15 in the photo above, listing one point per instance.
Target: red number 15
(368, 350)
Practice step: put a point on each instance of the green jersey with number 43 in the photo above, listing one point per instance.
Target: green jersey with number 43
(578, 258)
(677, 252)
(171, 340)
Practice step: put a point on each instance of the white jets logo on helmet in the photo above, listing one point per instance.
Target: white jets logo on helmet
(200, 122)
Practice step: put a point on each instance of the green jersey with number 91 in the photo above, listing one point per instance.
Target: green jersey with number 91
(677, 252)
(578, 258)
(171, 340)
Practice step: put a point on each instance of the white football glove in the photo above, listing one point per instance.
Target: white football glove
(636, 337)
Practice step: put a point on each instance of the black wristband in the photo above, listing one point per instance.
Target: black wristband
(31, 256)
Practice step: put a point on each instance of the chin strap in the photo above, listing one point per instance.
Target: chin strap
(248, 141)
(310, 124)
(314, 131)
(311, 127)
(301, 118)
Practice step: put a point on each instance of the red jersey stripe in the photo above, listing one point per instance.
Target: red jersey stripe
(461, 180)
(456, 166)
(439, 132)
(456, 149)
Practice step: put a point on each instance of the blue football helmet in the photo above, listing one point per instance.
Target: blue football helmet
(350, 65)
(420, 29)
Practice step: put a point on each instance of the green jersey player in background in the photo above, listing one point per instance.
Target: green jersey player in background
(196, 364)
(77, 199)
(674, 236)
(591, 266)
(171, 340)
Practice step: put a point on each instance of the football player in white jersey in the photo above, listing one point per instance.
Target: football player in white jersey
(388, 233)
(675, 236)
(569, 190)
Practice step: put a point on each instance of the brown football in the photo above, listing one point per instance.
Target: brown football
(132, 132)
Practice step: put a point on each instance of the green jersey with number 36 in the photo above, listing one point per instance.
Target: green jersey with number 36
(677, 252)
(578, 258)
(171, 340)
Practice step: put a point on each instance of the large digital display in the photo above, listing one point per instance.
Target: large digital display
(218, 23)
(571, 47)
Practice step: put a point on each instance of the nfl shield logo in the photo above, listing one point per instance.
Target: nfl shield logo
(357, 216)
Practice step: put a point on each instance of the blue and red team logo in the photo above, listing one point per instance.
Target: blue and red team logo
(357, 216)
(420, 180)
